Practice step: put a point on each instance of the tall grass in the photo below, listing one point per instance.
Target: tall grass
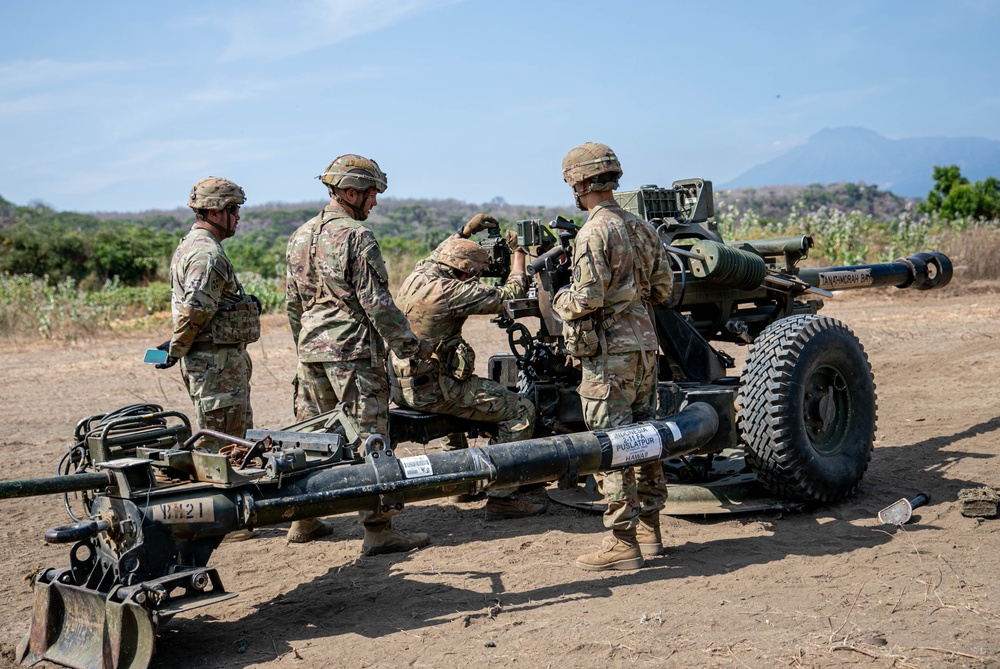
(29, 306)
(32, 307)
(855, 238)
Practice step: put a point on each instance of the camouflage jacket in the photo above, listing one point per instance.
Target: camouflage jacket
(437, 305)
(202, 281)
(619, 265)
(337, 293)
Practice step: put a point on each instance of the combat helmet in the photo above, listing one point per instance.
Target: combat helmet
(464, 255)
(354, 171)
(215, 193)
(589, 160)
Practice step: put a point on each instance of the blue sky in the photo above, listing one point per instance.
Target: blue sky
(123, 106)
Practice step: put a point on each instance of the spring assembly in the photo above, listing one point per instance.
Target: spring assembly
(727, 266)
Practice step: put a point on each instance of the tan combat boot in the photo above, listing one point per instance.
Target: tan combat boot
(503, 508)
(647, 534)
(304, 531)
(619, 551)
(384, 538)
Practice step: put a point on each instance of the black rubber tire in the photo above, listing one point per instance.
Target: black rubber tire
(807, 409)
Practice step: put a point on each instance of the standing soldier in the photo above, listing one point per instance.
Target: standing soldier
(214, 319)
(619, 265)
(340, 311)
(437, 298)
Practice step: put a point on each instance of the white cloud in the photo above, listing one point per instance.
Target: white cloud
(28, 74)
(164, 160)
(253, 88)
(286, 29)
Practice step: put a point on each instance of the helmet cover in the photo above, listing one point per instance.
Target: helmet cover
(464, 255)
(215, 193)
(590, 160)
(354, 171)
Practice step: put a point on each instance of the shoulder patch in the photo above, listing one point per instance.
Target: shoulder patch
(373, 256)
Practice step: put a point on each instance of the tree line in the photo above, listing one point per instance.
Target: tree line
(92, 250)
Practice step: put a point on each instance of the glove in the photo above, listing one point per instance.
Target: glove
(425, 349)
(511, 237)
(480, 222)
(171, 360)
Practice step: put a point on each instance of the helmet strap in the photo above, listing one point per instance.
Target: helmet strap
(357, 212)
(221, 232)
(578, 193)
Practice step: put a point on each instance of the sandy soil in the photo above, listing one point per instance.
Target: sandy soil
(824, 588)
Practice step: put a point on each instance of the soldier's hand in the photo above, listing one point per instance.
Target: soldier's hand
(425, 349)
(171, 360)
(511, 237)
(480, 222)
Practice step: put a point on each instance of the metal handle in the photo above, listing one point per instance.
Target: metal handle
(66, 534)
(920, 500)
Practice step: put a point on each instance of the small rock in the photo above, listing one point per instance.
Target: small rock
(978, 502)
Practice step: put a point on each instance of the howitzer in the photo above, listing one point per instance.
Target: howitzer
(154, 513)
(800, 417)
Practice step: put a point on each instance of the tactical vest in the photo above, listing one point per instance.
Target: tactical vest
(237, 323)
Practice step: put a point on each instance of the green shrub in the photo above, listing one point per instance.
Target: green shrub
(32, 306)
(270, 291)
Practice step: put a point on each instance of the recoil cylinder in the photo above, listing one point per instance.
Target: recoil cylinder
(728, 266)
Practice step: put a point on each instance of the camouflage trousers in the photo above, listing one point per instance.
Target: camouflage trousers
(617, 390)
(359, 384)
(218, 380)
(364, 390)
(476, 399)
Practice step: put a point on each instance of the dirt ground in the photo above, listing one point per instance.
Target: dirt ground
(827, 587)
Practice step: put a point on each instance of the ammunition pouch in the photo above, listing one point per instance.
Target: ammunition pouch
(459, 362)
(580, 337)
(238, 323)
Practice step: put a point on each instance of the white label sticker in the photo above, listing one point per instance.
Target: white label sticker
(845, 279)
(190, 511)
(639, 443)
(416, 466)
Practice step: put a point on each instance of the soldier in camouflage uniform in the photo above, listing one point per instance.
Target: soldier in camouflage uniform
(619, 267)
(340, 311)
(437, 298)
(214, 319)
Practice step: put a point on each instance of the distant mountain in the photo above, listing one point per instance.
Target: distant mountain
(904, 166)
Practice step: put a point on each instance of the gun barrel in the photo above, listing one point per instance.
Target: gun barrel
(538, 264)
(54, 485)
(392, 481)
(922, 271)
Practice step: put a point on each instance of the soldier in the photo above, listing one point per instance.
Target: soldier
(340, 311)
(619, 265)
(214, 319)
(437, 298)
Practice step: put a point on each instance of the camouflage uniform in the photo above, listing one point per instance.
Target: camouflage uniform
(619, 265)
(217, 375)
(340, 310)
(437, 304)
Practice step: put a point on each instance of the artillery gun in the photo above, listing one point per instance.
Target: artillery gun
(155, 507)
(799, 419)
